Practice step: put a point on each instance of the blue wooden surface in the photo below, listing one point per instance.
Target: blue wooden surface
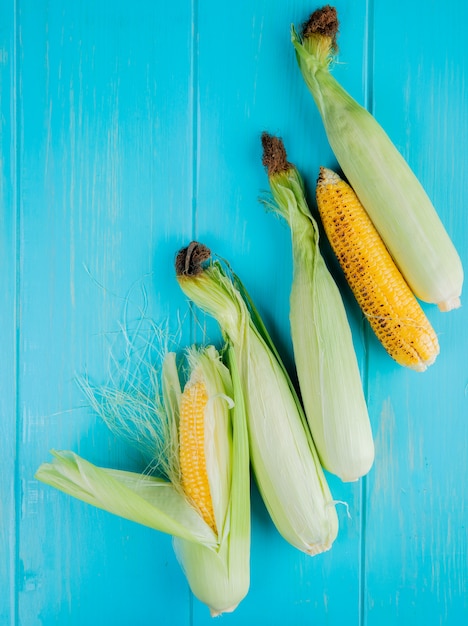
(127, 129)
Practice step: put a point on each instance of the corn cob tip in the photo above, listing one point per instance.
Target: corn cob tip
(327, 177)
(189, 260)
(423, 365)
(449, 305)
(322, 22)
(274, 155)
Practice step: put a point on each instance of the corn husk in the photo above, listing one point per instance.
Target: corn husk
(324, 353)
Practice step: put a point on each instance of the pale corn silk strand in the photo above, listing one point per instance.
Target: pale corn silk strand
(283, 456)
(130, 402)
(131, 405)
(395, 200)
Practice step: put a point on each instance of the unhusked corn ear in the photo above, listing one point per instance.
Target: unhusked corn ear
(194, 475)
(381, 291)
(282, 453)
(326, 363)
(388, 189)
(206, 426)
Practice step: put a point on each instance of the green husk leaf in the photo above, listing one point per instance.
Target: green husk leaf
(146, 500)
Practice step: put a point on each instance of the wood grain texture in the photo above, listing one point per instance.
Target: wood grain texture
(416, 496)
(8, 318)
(126, 131)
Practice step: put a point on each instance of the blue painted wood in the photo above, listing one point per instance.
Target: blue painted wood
(138, 130)
(417, 496)
(105, 199)
(8, 316)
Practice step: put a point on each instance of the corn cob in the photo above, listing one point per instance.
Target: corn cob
(381, 291)
(194, 477)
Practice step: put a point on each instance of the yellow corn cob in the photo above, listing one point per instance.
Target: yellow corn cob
(381, 291)
(194, 476)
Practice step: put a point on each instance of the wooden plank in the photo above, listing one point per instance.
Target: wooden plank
(8, 315)
(416, 538)
(249, 82)
(106, 116)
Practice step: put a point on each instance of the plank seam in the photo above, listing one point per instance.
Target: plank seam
(16, 202)
(194, 208)
(195, 143)
(368, 70)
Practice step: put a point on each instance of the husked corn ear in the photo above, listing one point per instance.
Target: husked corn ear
(381, 291)
(194, 475)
